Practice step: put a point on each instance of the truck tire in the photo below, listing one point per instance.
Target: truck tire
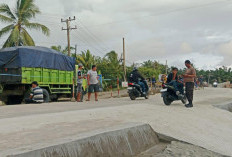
(46, 96)
(14, 99)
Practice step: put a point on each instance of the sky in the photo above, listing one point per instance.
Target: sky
(172, 30)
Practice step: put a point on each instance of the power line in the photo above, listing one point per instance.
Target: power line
(161, 13)
(97, 39)
(142, 17)
(85, 41)
(87, 34)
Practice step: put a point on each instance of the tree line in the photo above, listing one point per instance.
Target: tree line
(111, 68)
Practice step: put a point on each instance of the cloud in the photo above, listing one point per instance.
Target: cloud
(152, 29)
(226, 51)
(185, 48)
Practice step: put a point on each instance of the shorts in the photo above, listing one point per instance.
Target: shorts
(93, 88)
(79, 87)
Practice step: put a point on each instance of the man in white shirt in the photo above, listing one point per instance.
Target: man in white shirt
(92, 78)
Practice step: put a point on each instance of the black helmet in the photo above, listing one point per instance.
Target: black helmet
(135, 69)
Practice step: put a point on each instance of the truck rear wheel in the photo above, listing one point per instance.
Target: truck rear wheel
(13, 100)
(46, 96)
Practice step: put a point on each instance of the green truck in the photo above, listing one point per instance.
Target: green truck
(19, 66)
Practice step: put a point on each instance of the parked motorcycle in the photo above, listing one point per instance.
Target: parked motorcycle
(135, 91)
(169, 95)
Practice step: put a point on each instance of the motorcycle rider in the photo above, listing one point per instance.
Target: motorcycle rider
(136, 77)
(173, 80)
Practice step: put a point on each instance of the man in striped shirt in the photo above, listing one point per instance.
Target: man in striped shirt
(36, 95)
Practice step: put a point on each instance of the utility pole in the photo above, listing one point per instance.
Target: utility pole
(76, 52)
(124, 60)
(67, 21)
(166, 67)
(208, 78)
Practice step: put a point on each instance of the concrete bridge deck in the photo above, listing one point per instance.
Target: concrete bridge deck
(30, 127)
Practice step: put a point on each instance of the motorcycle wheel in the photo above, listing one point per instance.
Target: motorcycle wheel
(184, 100)
(147, 96)
(167, 101)
(132, 96)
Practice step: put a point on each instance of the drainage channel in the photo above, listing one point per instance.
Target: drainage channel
(226, 106)
(138, 140)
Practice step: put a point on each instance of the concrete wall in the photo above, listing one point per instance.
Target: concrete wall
(224, 85)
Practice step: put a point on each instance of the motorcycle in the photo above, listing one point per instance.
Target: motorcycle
(169, 95)
(215, 84)
(135, 91)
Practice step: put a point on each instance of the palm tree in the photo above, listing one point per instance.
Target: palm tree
(112, 68)
(148, 64)
(18, 20)
(87, 59)
(62, 50)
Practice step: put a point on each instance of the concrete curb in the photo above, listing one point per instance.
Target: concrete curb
(225, 106)
(130, 139)
(121, 141)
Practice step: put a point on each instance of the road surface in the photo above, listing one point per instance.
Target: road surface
(26, 127)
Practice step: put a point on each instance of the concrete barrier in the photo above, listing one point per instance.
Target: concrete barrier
(226, 106)
(224, 85)
(128, 140)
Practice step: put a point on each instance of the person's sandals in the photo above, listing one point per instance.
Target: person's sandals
(96, 99)
(87, 100)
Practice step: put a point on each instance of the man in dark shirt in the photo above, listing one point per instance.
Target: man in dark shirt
(173, 81)
(189, 76)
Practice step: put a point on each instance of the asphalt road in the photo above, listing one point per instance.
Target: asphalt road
(28, 127)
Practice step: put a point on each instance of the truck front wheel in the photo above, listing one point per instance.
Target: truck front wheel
(46, 96)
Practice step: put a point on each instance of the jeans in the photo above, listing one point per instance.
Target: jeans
(30, 101)
(142, 85)
(79, 87)
(177, 86)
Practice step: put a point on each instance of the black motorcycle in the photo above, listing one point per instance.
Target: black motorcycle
(135, 90)
(169, 95)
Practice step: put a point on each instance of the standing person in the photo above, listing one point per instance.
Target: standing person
(36, 95)
(196, 83)
(93, 82)
(189, 77)
(153, 81)
(201, 81)
(79, 82)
